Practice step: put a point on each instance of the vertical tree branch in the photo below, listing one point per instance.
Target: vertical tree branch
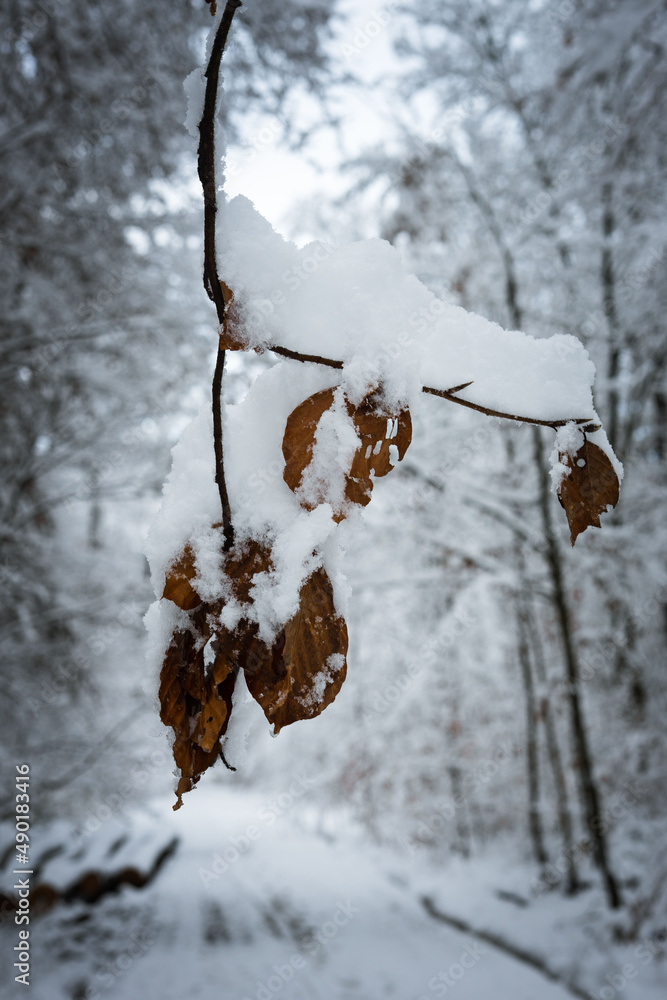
(587, 785)
(532, 750)
(588, 788)
(206, 168)
(572, 884)
(608, 280)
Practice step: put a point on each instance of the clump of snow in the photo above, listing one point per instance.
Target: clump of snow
(569, 440)
(195, 88)
(600, 438)
(319, 682)
(336, 441)
(190, 504)
(246, 716)
(356, 305)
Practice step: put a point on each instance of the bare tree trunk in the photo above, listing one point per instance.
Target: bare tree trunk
(587, 787)
(532, 753)
(590, 798)
(462, 832)
(462, 843)
(572, 884)
(660, 403)
(610, 310)
(94, 512)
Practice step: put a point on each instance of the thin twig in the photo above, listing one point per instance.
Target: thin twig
(206, 169)
(225, 761)
(102, 744)
(313, 358)
(445, 394)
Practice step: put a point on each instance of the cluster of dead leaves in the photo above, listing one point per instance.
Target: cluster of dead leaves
(591, 487)
(297, 675)
(293, 678)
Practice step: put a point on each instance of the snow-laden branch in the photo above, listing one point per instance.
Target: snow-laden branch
(449, 394)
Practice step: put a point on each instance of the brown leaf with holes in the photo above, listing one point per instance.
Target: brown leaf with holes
(591, 487)
(306, 667)
(378, 430)
(178, 587)
(232, 337)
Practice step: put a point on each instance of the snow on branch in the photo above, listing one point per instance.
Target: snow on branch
(255, 603)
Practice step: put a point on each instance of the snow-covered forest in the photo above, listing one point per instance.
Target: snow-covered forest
(480, 809)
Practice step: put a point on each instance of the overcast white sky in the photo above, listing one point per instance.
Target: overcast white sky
(276, 179)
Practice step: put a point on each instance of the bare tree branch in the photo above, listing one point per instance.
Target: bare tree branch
(206, 169)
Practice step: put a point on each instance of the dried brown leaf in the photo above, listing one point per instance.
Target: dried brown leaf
(306, 667)
(196, 699)
(178, 587)
(232, 336)
(377, 428)
(299, 436)
(591, 487)
(379, 431)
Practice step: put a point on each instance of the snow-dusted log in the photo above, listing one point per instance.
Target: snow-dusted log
(496, 941)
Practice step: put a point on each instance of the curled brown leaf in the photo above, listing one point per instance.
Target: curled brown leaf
(378, 429)
(590, 489)
(305, 668)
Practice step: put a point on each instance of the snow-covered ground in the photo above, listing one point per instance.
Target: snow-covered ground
(253, 904)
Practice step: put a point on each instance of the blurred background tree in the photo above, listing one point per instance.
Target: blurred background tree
(106, 333)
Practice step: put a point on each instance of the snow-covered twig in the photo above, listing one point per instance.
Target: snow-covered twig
(447, 394)
(527, 957)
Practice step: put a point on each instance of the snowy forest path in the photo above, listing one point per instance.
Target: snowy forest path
(260, 900)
